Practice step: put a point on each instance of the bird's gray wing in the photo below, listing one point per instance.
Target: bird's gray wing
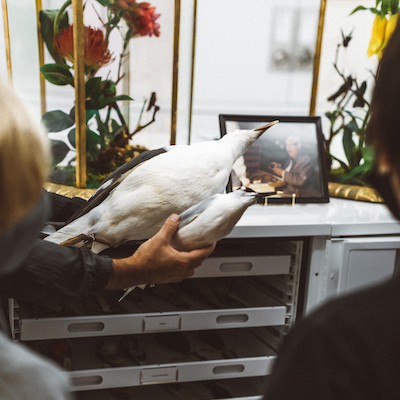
(114, 179)
(193, 212)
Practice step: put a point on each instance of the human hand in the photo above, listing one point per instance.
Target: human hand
(276, 168)
(274, 164)
(156, 261)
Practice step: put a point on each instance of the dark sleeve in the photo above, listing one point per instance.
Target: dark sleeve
(63, 208)
(58, 272)
(319, 361)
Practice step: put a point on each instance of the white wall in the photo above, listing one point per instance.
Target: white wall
(234, 72)
(353, 60)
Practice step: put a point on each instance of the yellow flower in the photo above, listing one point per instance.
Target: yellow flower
(391, 24)
(376, 42)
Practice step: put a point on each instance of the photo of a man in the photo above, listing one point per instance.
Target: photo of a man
(298, 172)
(287, 160)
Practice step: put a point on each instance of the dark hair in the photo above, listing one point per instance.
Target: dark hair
(383, 131)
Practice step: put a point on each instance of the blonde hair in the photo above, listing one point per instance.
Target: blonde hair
(24, 155)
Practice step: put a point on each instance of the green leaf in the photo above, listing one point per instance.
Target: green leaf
(115, 125)
(58, 151)
(46, 18)
(104, 101)
(58, 74)
(368, 154)
(372, 9)
(102, 127)
(343, 164)
(89, 114)
(122, 97)
(93, 85)
(93, 94)
(105, 2)
(359, 8)
(363, 169)
(349, 146)
(56, 121)
(71, 137)
(92, 139)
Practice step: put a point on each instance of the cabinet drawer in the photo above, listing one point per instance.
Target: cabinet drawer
(235, 354)
(197, 304)
(236, 389)
(158, 358)
(242, 266)
(54, 328)
(185, 372)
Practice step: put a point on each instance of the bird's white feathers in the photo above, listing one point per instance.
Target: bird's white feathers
(169, 182)
(211, 219)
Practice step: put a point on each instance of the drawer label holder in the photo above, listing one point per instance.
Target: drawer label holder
(152, 376)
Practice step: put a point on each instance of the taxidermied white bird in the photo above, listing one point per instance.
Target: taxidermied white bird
(137, 198)
(212, 219)
(209, 221)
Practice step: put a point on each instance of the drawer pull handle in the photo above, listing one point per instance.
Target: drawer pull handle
(86, 327)
(232, 319)
(236, 267)
(228, 369)
(87, 380)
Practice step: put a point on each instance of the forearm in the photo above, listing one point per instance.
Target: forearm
(57, 272)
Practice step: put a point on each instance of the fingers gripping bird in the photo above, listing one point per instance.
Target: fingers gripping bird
(137, 198)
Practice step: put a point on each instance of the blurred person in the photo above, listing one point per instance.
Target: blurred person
(32, 269)
(23, 151)
(349, 348)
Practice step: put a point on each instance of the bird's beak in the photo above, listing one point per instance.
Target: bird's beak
(265, 127)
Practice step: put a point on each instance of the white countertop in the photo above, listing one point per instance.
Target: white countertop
(339, 217)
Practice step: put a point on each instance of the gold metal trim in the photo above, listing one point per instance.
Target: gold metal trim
(317, 57)
(80, 112)
(194, 32)
(7, 38)
(41, 58)
(68, 191)
(175, 67)
(352, 192)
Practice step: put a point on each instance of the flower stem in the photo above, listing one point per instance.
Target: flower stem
(121, 117)
(56, 27)
(101, 126)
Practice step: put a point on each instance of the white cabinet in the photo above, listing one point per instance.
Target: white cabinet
(356, 263)
(217, 334)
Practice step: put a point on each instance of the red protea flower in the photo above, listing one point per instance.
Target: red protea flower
(96, 47)
(140, 17)
(144, 20)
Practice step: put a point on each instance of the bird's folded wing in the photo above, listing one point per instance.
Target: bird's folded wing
(114, 179)
(193, 212)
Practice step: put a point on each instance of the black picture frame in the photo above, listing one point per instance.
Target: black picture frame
(308, 184)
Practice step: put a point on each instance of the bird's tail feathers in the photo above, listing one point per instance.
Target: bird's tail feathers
(64, 234)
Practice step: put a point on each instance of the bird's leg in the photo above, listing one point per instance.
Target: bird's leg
(85, 242)
(82, 241)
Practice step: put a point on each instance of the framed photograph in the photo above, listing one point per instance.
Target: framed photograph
(287, 161)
